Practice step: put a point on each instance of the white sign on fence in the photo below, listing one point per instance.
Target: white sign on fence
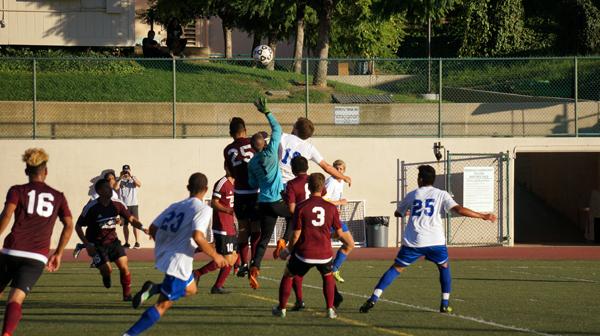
(346, 115)
(478, 188)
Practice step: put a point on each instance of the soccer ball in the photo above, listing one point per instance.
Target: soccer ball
(263, 54)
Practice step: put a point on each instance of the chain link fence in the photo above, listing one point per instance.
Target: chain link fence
(464, 231)
(196, 97)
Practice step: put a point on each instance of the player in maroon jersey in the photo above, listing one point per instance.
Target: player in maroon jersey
(24, 255)
(310, 244)
(237, 155)
(101, 217)
(223, 229)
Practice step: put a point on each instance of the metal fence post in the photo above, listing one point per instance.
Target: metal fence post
(575, 70)
(449, 190)
(440, 99)
(306, 88)
(33, 110)
(508, 196)
(174, 98)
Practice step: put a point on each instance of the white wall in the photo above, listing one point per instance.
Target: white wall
(68, 23)
(164, 165)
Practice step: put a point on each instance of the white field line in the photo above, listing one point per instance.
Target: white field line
(558, 277)
(416, 307)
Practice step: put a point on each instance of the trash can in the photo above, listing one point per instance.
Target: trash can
(377, 231)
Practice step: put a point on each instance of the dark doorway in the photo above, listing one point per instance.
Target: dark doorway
(553, 197)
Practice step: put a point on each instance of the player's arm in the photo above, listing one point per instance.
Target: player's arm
(7, 212)
(132, 219)
(215, 204)
(294, 239)
(292, 207)
(276, 131)
(342, 201)
(329, 169)
(461, 210)
(208, 249)
(55, 259)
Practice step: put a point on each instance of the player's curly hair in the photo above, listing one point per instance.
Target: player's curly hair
(35, 159)
(304, 128)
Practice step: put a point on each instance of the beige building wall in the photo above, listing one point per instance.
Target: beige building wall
(68, 23)
(163, 166)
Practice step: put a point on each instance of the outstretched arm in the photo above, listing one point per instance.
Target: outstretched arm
(329, 169)
(460, 210)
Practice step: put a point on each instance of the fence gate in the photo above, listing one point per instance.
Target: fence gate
(475, 180)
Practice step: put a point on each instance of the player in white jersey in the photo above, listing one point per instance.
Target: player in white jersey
(293, 145)
(335, 195)
(424, 235)
(177, 232)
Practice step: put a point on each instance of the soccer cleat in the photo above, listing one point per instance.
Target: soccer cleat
(280, 247)
(242, 271)
(368, 305)
(219, 290)
(78, 248)
(136, 245)
(445, 309)
(144, 294)
(331, 313)
(278, 312)
(337, 299)
(253, 277)
(126, 245)
(106, 281)
(298, 306)
(338, 277)
(127, 298)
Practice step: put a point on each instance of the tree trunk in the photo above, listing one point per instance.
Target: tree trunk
(273, 44)
(255, 42)
(228, 43)
(300, 11)
(324, 14)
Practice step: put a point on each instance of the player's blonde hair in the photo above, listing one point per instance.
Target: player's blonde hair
(338, 163)
(34, 157)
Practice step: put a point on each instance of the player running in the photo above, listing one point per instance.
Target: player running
(24, 255)
(223, 229)
(335, 191)
(101, 217)
(264, 173)
(311, 244)
(237, 156)
(424, 235)
(177, 231)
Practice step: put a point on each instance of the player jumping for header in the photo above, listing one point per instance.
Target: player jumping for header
(24, 255)
(177, 231)
(424, 235)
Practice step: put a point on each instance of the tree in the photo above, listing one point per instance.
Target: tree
(299, 43)
(580, 23)
(475, 29)
(272, 19)
(324, 10)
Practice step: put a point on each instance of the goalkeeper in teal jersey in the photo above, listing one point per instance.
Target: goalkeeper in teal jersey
(264, 173)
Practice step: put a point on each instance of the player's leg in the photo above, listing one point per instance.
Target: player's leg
(226, 247)
(171, 289)
(117, 254)
(294, 267)
(406, 256)
(243, 246)
(210, 266)
(439, 256)
(255, 237)
(24, 273)
(268, 218)
(101, 261)
(297, 287)
(329, 288)
(342, 253)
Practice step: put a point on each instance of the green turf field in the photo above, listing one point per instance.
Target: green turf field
(489, 297)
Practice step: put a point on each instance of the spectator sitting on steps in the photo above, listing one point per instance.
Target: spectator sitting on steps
(175, 43)
(151, 47)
